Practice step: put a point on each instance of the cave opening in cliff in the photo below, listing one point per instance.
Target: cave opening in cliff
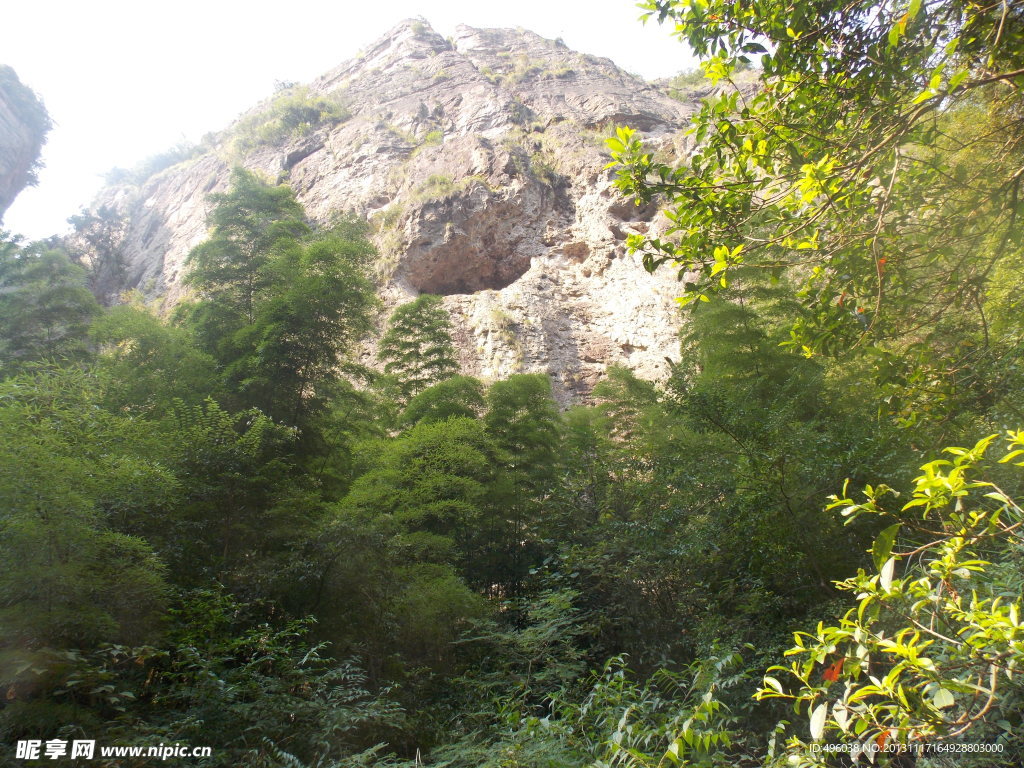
(449, 271)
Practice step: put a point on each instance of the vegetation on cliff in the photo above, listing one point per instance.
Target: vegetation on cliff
(24, 124)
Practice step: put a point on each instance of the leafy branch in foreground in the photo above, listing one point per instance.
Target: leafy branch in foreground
(932, 649)
(877, 163)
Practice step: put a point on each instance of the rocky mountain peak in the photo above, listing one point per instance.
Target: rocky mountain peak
(479, 161)
(410, 41)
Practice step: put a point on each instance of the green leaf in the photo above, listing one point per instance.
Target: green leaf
(818, 720)
(958, 78)
(842, 716)
(885, 575)
(1011, 456)
(882, 547)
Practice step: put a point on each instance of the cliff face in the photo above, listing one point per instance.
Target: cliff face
(23, 127)
(479, 161)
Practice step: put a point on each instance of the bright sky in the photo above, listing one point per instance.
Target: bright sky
(126, 79)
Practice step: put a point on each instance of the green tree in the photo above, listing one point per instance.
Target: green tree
(261, 689)
(247, 224)
(228, 673)
(278, 306)
(147, 364)
(429, 488)
(875, 164)
(457, 397)
(405, 543)
(417, 347)
(244, 499)
(69, 576)
(692, 509)
(97, 245)
(45, 307)
(523, 420)
(317, 315)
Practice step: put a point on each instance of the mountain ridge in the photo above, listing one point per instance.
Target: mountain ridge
(479, 161)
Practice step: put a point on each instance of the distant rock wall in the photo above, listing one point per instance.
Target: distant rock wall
(23, 127)
(479, 161)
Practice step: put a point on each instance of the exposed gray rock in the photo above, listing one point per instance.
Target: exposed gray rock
(480, 162)
(23, 128)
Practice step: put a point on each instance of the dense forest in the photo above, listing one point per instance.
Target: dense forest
(224, 528)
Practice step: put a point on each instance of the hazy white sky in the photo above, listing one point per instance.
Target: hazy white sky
(126, 79)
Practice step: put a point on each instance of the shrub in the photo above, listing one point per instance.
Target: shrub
(154, 164)
(292, 112)
(436, 186)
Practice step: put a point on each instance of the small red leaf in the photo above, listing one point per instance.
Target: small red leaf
(832, 673)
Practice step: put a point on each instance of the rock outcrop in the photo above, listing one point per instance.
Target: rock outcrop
(23, 128)
(479, 161)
